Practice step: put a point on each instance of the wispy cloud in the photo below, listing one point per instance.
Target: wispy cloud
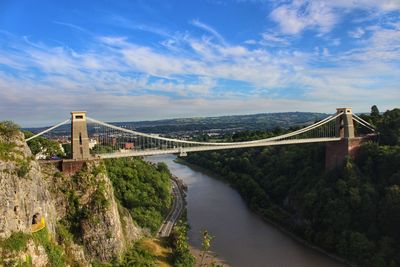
(207, 28)
(184, 73)
(357, 33)
(124, 22)
(300, 15)
(295, 16)
(72, 26)
(272, 39)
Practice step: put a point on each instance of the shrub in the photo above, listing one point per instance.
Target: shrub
(23, 169)
(8, 128)
(63, 234)
(5, 150)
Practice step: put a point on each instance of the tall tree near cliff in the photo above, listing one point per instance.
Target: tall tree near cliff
(389, 127)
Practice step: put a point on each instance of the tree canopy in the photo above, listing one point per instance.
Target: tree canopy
(352, 211)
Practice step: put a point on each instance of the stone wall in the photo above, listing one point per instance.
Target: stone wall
(336, 152)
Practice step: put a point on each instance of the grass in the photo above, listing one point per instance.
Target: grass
(53, 251)
(6, 150)
(160, 250)
(144, 253)
(138, 255)
(16, 242)
(64, 236)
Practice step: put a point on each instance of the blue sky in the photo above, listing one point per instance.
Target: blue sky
(144, 60)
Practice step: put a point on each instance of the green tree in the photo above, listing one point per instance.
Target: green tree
(182, 256)
(389, 128)
(375, 112)
(142, 188)
(391, 212)
(45, 146)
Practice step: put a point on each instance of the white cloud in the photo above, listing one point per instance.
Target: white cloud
(300, 15)
(295, 16)
(70, 25)
(208, 28)
(114, 75)
(272, 39)
(53, 106)
(357, 33)
(383, 45)
(325, 52)
(376, 5)
(251, 42)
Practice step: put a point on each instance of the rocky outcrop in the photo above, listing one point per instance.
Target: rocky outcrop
(105, 233)
(86, 200)
(82, 206)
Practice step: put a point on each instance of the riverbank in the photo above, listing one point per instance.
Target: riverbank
(275, 224)
(209, 257)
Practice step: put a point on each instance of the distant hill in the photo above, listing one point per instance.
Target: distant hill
(262, 121)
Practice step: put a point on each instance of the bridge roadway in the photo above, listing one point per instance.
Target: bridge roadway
(178, 150)
(175, 212)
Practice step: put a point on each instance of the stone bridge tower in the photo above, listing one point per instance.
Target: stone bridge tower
(79, 136)
(344, 123)
(336, 152)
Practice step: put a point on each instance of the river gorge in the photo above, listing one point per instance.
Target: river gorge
(241, 238)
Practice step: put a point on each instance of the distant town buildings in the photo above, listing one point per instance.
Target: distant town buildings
(129, 146)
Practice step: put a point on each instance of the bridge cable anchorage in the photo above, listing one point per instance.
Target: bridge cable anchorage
(364, 123)
(48, 130)
(171, 140)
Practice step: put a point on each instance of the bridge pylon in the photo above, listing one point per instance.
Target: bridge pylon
(79, 136)
(348, 146)
(344, 123)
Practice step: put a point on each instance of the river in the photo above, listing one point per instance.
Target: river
(241, 238)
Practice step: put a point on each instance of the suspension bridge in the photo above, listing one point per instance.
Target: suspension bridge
(94, 139)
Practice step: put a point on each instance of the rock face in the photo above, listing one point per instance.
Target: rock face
(37, 253)
(83, 204)
(104, 232)
(23, 192)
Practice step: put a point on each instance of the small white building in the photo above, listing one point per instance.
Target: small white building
(92, 143)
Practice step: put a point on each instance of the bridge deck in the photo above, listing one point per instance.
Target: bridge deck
(177, 150)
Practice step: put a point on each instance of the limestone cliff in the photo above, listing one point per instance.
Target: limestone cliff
(83, 220)
(23, 192)
(87, 207)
